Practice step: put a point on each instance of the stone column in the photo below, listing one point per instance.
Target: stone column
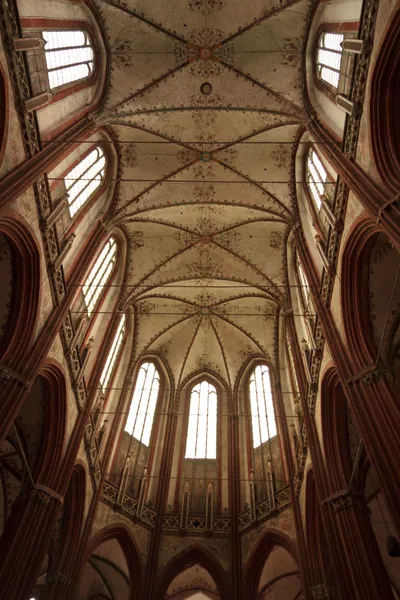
(369, 398)
(25, 541)
(14, 387)
(375, 199)
(26, 173)
(234, 496)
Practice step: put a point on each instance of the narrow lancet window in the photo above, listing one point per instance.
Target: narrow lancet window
(84, 179)
(112, 355)
(329, 56)
(316, 178)
(69, 56)
(99, 274)
(261, 406)
(305, 288)
(144, 401)
(202, 426)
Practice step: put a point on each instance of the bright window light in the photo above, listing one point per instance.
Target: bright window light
(84, 179)
(316, 177)
(202, 427)
(69, 56)
(304, 282)
(329, 56)
(99, 275)
(113, 354)
(143, 406)
(261, 406)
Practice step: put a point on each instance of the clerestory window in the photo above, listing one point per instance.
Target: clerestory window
(84, 179)
(113, 354)
(316, 178)
(143, 405)
(202, 426)
(69, 56)
(99, 274)
(305, 288)
(261, 406)
(329, 57)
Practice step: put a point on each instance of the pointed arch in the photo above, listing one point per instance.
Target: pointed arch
(271, 538)
(25, 292)
(54, 426)
(384, 122)
(334, 419)
(4, 97)
(120, 533)
(194, 554)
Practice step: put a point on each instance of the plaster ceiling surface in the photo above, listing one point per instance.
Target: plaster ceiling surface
(205, 193)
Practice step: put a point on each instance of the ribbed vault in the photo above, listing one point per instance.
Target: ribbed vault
(205, 194)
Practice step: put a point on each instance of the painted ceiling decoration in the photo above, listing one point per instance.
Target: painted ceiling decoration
(211, 110)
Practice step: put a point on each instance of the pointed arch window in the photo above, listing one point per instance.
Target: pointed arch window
(329, 57)
(69, 56)
(305, 288)
(143, 405)
(84, 179)
(316, 178)
(261, 406)
(99, 274)
(113, 354)
(202, 427)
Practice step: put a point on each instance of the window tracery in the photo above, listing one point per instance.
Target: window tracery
(202, 426)
(261, 406)
(69, 56)
(84, 179)
(143, 405)
(305, 288)
(113, 354)
(316, 178)
(329, 57)
(99, 274)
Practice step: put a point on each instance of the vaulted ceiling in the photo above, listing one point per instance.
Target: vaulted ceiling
(205, 195)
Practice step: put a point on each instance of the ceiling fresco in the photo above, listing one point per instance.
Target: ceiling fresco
(210, 110)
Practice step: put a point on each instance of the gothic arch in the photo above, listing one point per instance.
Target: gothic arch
(54, 426)
(3, 113)
(25, 289)
(192, 555)
(261, 551)
(121, 534)
(384, 122)
(334, 416)
(316, 541)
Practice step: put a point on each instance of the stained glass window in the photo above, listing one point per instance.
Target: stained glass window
(202, 427)
(99, 274)
(69, 56)
(144, 400)
(113, 354)
(261, 406)
(84, 179)
(316, 177)
(329, 56)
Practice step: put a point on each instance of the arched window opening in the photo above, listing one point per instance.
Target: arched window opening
(99, 274)
(305, 288)
(113, 354)
(69, 56)
(316, 178)
(143, 405)
(84, 179)
(261, 406)
(329, 57)
(202, 427)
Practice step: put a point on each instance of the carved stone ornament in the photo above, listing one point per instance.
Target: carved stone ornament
(62, 580)
(39, 496)
(323, 591)
(373, 376)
